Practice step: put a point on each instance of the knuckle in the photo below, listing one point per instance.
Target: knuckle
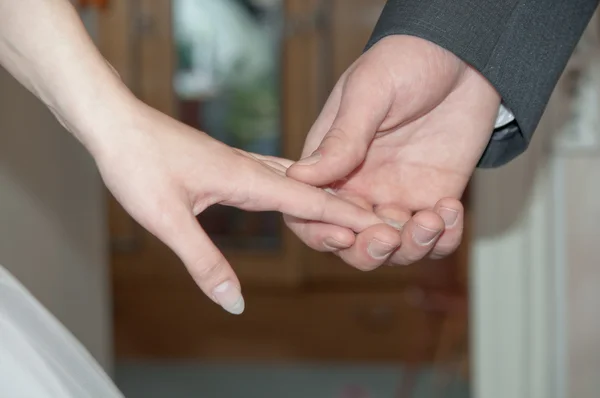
(326, 203)
(335, 138)
(347, 147)
(208, 271)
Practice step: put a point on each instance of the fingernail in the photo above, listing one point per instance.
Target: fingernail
(378, 249)
(332, 244)
(392, 223)
(449, 216)
(424, 236)
(312, 159)
(228, 296)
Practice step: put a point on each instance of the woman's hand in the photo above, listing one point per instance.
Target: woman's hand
(161, 171)
(165, 173)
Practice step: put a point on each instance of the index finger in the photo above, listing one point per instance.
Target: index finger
(300, 200)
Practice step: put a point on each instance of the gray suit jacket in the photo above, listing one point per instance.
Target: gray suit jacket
(520, 46)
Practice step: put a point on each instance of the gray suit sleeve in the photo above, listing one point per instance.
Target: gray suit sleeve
(520, 46)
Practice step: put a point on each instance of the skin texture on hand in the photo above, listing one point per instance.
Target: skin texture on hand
(162, 172)
(165, 173)
(401, 134)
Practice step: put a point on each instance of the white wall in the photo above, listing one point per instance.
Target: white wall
(581, 235)
(52, 218)
(512, 273)
(582, 177)
(536, 271)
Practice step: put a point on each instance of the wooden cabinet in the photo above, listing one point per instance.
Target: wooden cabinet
(300, 304)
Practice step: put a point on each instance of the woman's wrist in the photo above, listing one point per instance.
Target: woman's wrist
(96, 118)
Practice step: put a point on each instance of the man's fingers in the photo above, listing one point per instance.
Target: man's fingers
(367, 251)
(452, 212)
(205, 263)
(419, 236)
(321, 237)
(364, 105)
(283, 162)
(372, 247)
(393, 215)
(444, 225)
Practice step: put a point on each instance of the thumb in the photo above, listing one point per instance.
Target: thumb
(363, 106)
(205, 263)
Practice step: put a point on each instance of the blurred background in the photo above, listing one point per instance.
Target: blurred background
(512, 313)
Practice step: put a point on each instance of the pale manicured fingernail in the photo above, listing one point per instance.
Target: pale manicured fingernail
(392, 223)
(449, 216)
(312, 159)
(378, 249)
(228, 296)
(333, 245)
(424, 236)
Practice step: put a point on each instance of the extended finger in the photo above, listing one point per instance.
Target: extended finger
(210, 270)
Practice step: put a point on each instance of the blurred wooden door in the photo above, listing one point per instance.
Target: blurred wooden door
(300, 304)
(137, 36)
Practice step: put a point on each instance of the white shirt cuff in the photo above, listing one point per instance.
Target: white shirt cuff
(505, 116)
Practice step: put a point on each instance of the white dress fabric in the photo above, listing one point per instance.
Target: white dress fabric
(39, 357)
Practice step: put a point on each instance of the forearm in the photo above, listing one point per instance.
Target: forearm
(44, 45)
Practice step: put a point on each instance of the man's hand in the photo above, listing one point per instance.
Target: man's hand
(401, 134)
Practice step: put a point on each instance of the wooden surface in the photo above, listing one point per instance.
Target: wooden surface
(283, 325)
